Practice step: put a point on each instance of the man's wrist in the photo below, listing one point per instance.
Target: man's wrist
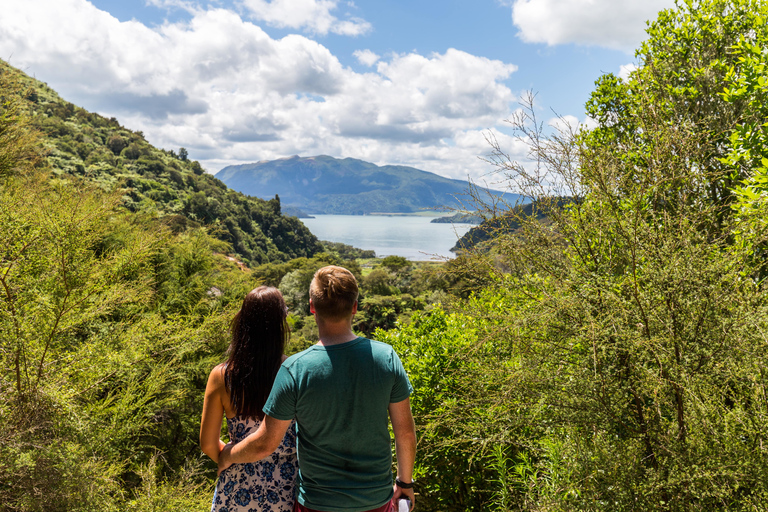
(225, 454)
(403, 485)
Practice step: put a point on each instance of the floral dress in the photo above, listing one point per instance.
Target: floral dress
(264, 486)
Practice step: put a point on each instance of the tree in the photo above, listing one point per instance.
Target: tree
(377, 282)
(747, 84)
(91, 372)
(682, 75)
(18, 140)
(116, 144)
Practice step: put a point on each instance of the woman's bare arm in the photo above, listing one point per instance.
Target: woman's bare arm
(213, 412)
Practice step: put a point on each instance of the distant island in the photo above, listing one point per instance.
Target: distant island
(458, 218)
(327, 185)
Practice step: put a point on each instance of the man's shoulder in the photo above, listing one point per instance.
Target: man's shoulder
(381, 347)
(297, 357)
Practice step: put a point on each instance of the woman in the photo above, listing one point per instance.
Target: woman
(239, 388)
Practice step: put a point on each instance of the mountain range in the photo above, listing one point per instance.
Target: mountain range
(327, 185)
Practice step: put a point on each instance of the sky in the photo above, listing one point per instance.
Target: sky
(405, 82)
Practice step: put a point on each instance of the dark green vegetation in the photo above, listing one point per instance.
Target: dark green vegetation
(612, 358)
(391, 289)
(81, 144)
(323, 184)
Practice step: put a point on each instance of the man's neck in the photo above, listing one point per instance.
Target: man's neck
(335, 333)
(336, 340)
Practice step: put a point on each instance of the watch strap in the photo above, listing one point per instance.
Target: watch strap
(402, 484)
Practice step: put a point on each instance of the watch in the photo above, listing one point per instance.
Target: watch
(402, 484)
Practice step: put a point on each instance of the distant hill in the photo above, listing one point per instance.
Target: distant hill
(323, 184)
(83, 145)
(458, 218)
(487, 229)
(506, 223)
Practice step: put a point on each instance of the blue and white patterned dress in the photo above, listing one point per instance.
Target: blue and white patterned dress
(265, 486)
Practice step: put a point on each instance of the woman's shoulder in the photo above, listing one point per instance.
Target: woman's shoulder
(216, 376)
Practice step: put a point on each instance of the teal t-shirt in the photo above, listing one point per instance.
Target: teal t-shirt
(339, 396)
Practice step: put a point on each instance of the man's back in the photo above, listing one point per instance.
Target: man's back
(339, 395)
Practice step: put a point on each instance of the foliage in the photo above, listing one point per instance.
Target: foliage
(115, 300)
(462, 414)
(458, 218)
(106, 338)
(621, 342)
(87, 145)
(685, 63)
(431, 349)
(384, 312)
(17, 140)
(609, 358)
(495, 226)
(346, 252)
(294, 284)
(747, 84)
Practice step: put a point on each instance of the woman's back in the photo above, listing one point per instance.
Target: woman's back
(268, 484)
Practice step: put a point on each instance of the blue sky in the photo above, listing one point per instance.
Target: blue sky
(417, 83)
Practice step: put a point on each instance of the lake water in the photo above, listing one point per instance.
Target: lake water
(411, 236)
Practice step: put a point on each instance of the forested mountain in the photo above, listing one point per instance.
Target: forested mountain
(323, 184)
(166, 183)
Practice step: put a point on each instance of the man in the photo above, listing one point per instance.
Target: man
(340, 392)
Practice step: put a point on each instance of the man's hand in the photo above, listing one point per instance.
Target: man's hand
(224, 457)
(405, 446)
(404, 493)
(256, 445)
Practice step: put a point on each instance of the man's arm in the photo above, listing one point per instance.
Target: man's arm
(405, 445)
(256, 445)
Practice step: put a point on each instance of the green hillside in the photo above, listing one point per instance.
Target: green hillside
(323, 184)
(165, 183)
(505, 224)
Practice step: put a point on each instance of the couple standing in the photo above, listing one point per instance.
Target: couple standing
(328, 404)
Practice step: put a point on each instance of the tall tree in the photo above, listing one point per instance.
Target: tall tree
(684, 64)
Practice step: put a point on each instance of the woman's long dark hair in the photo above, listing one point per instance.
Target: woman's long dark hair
(259, 335)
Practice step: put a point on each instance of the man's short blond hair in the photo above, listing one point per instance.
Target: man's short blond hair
(333, 292)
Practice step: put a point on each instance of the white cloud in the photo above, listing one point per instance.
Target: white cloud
(311, 15)
(618, 24)
(626, 70)
(570, 124)
(366, 57)
(224, 89)
(590, 123)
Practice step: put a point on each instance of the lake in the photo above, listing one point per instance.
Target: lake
(411, 236)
